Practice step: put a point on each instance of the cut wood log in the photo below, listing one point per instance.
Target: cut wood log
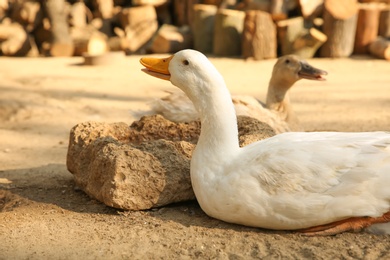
(28, 13)
(184, 12)
(228, 29)
(171, 39)
(89, 40)
(294, 37)
(259, 5)
(259, 36)
(340, 19)
(13, 40)
(78, 15)
(367, 27)
(4, 6)
(307, 44)
(384, 22)
(203, 27)
(288, 31)
(61, 44)
(380, 48)
(149, 2)
(104, 8)
(311, 8)
(279, 9)
(140, 24)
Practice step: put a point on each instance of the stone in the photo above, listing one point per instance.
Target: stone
(144, 165)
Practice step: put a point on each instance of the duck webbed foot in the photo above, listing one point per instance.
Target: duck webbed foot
(354, 224)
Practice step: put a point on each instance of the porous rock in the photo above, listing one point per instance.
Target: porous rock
(144, 165)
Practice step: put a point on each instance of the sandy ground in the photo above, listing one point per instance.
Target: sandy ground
(44, 216)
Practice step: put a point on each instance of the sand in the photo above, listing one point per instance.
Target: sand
(44, 216)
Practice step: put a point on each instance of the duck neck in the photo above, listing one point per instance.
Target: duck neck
(278, 99)
(219, 131)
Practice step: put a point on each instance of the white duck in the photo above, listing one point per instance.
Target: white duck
(277, 112)
(322, 182)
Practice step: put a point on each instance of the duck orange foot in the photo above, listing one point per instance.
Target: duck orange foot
(354, 224)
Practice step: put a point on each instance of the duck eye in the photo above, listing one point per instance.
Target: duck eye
(287, 61)
(186, 62)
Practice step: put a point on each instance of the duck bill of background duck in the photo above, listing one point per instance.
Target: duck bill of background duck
(157, 67)
(309, 72)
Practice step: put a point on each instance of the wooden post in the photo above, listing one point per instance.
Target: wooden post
(228, 32)
(170, 39)
(340, 18)
(203, 27)
(367, 27)
(259, 36)
(380, 48)
(384, 22)
(61, 44)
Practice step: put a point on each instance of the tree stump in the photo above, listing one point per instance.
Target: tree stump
(61, 44)
(171, 39)
(203, 27)
(140, 24)
(367, 27)
(384, 22)
(259, 36)
(340, 17)
(380, 48)
(228, 32)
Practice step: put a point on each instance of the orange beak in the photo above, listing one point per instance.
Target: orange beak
(157, 67)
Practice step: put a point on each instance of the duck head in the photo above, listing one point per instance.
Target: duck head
(188, 70)
(291, 68)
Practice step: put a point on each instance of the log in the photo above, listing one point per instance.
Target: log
(140, 24)
(259, 5)
(259, 36)
(288, 31)
(148, 2)
(89, 40)
(307, 45)
(78, 15)
(367, 27)
(340, 19)
(311, 8)
(171, 39)
(61, 44)
(380, 48)
(13, 40)
(384, 22)
(228, 32)
(279, 9)
(104, 8)
(28, 13)
(3, 8)
(203, 27)
(295, 37)
(184, 12)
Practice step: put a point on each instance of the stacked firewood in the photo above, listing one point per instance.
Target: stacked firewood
(258, 29)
